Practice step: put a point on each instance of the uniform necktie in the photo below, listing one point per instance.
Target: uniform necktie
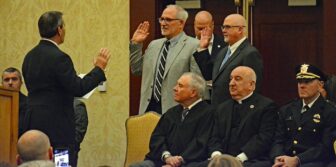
(160, 72)
(227, 56)
(184, 114)
(305, 108)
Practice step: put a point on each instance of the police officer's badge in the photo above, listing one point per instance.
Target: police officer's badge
(317, 118)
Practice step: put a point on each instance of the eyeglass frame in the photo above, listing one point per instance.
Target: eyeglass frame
(166, 20)
(229, 27)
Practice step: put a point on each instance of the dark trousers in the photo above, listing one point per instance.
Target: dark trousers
(72, 153)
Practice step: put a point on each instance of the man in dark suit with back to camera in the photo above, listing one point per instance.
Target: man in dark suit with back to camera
(12, 79)
(180, 138)
(205, 57)
(245, 124)
(52, 84)
(164, 60)
(304, 132)
(239, 52)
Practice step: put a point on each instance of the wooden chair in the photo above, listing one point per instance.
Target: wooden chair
(138, 132)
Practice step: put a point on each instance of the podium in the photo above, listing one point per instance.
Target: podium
(9, 110)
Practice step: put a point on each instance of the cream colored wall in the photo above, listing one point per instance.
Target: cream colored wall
(90, 24)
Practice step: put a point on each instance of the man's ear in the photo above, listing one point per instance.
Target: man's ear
(18, 159)
(59, 30)
(50, 153)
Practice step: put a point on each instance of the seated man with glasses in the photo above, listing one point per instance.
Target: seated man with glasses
(239, 52)
(164, 60)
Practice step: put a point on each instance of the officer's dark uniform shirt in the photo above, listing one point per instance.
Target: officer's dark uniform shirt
(306, 134)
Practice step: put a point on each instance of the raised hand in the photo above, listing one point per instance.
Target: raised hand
(141, 33)
(206, 35)
(102, 59)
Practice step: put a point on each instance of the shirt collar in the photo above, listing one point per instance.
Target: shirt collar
(240, 101)
(311, 103)
(173, 41)
(234, 47)
(193, 104)
(46, 39)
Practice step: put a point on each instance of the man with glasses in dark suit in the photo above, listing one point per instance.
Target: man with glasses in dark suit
(239, 52)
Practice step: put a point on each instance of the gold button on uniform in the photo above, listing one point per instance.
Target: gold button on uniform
(299, 129)
(295, 142)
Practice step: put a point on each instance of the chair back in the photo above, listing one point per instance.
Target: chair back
(138, 132)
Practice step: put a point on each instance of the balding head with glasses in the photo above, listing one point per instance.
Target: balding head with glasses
(234, 28)
(172, 21)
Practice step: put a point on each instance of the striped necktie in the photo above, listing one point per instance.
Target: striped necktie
(160, 72)
(184, 114)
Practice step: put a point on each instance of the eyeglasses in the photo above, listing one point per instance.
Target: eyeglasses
(228, 27)
(166, 20)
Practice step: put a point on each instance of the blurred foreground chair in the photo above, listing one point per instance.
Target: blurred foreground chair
(138, 132)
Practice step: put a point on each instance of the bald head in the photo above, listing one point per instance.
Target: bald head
(237, 19)
(34, 145)
(248, 72)
(243, 81)
(203, 19)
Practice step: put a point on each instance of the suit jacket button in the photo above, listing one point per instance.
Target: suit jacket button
(299, 129)
(294, 152)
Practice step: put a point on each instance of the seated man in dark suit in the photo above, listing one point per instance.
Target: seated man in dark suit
(245, 124)
(303, 136)
(181, 135)
(12, 79)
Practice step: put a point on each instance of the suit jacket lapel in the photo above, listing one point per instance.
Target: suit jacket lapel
(156, 53)
(216, 46)
(174, 53)
(232, 57)
(297, 112)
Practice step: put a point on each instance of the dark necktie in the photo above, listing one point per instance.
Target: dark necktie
(184, 114)
(160, 72)
(305, 108)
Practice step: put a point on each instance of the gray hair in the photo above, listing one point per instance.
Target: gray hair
(49, 22)
(181, 12)
(196, 82)
(224, 160)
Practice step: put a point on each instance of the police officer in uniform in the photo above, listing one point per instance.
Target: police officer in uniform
(303, 137)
